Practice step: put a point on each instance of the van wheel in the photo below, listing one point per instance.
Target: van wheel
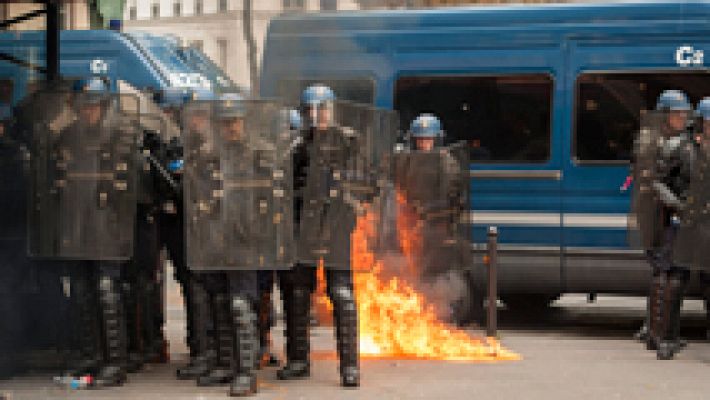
(469, 309)
(537, 302)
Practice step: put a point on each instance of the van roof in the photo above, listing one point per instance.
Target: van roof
(570, 14)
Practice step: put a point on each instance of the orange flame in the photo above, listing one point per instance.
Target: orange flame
(395, 320)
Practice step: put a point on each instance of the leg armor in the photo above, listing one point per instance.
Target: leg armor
(670, 342)
(298, 314)
(203, 356)
(340, 291)
(132, 302)
(221, 373)
(244, 323)
(113, 324)
(86, 303)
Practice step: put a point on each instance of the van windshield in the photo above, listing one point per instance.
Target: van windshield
(183, 69)
(199, 62)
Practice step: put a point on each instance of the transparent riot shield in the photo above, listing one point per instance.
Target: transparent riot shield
(238, 186)
(432, 200)
(338, 185)
(82, 203)
(700, 192)
(645, 219)
(694, 217)
(385, 203)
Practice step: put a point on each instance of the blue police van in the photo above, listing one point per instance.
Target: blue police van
(548, 99)
(132, 61)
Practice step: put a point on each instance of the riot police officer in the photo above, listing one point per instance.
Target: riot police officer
(671, 177)
(266, 281)
(143, 276)
(702, 112)
(432, 181)
(96, 284)
(312, 158)
(199, 324)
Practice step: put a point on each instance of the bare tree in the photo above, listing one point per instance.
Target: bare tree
(248, 19)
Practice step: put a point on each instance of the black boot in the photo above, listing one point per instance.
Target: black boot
(297, 336)
(131, 304)
(655, 310)
(221, 373)
(345, 315)
(670, 342)
(200, 338)
(113, 372)
(151, 322)
(245, 347)
(86, 304)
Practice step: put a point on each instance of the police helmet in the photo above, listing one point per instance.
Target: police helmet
(314, 98)
(426, 126)
(703, 110)
(94, 90)
(673, 100)
(316, 94)
(231, 106)
(294, 120)
(200, 94)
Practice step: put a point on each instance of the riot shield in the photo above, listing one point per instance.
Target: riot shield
(645, 220)
(432, 199)
(238, 186)
(338, 188)
(82, 203)
(701, 199)
(694, 227)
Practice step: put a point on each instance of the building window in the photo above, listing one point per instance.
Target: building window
(132, 13)
(609, 105)
(504, 118)
(222, 5)
(222, 48)
(328, 5)
(293, 5)
(196, 44)
(155, 10)
(199, 7)
(177, 8)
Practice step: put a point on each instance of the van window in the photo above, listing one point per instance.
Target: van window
(503, 118)
(6, 91)
(358, 90)
(608, 106)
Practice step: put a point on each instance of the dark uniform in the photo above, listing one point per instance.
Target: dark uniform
(236, 223)
(433, 185)
(663, 165)
(325, 221)
(83, 207)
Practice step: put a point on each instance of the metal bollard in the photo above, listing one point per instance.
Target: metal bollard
(492, 325)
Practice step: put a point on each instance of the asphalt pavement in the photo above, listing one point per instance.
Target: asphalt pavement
(575, 350)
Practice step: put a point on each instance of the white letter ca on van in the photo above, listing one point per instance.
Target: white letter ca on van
(687, 56)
